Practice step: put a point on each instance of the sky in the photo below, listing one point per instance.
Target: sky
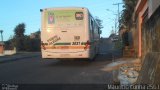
(13, 12)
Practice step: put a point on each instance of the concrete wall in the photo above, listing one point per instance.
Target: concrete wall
(9, 52)
(151, 34)
(150, 70)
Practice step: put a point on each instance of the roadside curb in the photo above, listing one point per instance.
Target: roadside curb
(16, 58)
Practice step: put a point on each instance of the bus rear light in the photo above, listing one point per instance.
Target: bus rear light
(87, 44)
(43, 46)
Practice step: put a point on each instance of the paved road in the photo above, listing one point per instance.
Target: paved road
(36, 70)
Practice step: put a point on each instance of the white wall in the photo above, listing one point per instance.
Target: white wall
(10, 52)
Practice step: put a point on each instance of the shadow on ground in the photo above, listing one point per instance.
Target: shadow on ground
(99, 59)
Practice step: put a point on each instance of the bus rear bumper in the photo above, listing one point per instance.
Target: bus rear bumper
(84, 54)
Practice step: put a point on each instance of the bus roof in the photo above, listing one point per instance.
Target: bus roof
(63, 8)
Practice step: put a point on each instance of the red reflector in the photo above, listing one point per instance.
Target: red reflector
(87, 44)
(43, 47)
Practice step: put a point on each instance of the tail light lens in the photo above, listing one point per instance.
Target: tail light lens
(43, 46)
(87, 44)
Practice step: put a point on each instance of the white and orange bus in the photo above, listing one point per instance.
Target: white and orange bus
(69, 33)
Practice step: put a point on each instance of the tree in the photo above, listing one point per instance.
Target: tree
(27, 43)
(36, 42)
(99, 21)
(32, 44)
(126, 17)
(24, 42)
(125, 39)
(19, 30)
(19, 36)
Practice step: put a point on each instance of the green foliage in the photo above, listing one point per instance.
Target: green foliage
(19, 37)
(99, 21)
(126, 17)
(20, 43)
(8, 45)
(31, 44)
(118, 44)
(23, 42)
(19, 30)
(27, 44)
(125, 39)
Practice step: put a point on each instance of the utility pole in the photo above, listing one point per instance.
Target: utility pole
(118, 12)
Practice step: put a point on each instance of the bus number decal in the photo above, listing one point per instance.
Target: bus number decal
(76, 43)
(76, 38)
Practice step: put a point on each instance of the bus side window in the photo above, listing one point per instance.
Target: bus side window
(91, 28)
(92, 25)
(99, 30)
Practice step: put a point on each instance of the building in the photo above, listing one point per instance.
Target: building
(143, 11)
(33, 35)
(1, 47)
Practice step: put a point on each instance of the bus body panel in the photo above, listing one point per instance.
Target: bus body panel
(65, 32)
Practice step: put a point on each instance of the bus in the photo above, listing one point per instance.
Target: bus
(69, 32)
